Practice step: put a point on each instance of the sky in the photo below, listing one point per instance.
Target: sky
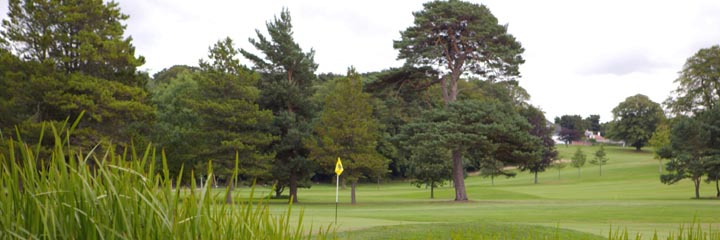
(581, 57)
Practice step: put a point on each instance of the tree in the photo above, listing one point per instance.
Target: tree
(77, 61)
(578, 159)
(687, 160)
(572, 128)
(541, 130)
(635, 120)
(660, 141)
(286, 86)
(698, 83)
(459, 38)
(593, 123)
(486, 130)
(600, 158)
(429, 167)
(231, 122)
(347, 130)
(559, 165)
(177, 127)
(76, 36)
(493, 168)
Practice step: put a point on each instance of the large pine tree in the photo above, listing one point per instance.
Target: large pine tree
(287, 76)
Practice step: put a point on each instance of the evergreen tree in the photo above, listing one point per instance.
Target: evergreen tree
(541, 130)
(231, 120)
(286, 86)
(460, 38)
(347, 130)
(77, 61)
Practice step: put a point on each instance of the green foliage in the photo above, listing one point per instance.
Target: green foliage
(231, 120)
(286, 84)
(346, 129)
(429, 167)
(578, 159)
(572, 127)
(541, 130)
(481, 130)
(95, 195)
(73, 57)
(600, 158)
(461, 37)
(75, 36)
(699, 83)
(635, 120)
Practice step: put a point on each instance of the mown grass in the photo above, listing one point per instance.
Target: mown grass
(628, 196)
(72, 195)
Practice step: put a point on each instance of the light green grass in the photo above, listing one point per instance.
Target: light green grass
(628, 195)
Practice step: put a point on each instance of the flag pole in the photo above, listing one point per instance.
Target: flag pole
(337, 186)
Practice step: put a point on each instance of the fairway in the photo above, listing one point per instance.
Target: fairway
(628, 196)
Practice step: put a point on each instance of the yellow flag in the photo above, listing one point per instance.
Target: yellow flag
(338, 167)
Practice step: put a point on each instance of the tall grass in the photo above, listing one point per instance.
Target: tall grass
(693, 232)
(93, 195)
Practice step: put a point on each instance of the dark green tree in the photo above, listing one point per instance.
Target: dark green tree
(689, 142)
(572, 128)
(593, 123)
(231, 121)
(578, 159)
(600, 158)
(79, 62)
(429, 167)
(286, 84)
(660, 141)
(460, 38)
(698, 83)
(486, 130)
(541, 130)
(635, 120)
(346, 129)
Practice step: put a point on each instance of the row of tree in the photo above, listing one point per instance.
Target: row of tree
(687, 135)
(453, 107)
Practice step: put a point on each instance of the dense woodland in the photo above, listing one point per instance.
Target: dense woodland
(454, 107)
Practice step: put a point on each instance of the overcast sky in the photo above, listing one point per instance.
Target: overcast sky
(582, 57)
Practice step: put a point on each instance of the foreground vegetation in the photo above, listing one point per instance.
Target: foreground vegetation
(109, 195)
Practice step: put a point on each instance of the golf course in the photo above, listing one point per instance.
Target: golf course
(629, 197)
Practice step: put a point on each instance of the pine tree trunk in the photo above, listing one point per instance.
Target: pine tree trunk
(352, 192)
(293, 187)
(717, 188)
(458, 178)
(601, 170)
(697, 188)
(536, 178)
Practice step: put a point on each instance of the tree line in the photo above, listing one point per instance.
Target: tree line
(455, 106)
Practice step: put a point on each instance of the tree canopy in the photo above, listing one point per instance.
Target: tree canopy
(457, 38)
(635, 120)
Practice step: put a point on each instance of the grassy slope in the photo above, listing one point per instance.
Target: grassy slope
(629, 194)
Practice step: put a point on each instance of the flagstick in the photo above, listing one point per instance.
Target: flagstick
(337, 186)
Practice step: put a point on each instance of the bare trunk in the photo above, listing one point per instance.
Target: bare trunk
(697, 188)
(717, 188)
(352, 193)
(535, 178)
(293, 187)
(601, 170)
(458, 178)
(432, 191)
(660, 165)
